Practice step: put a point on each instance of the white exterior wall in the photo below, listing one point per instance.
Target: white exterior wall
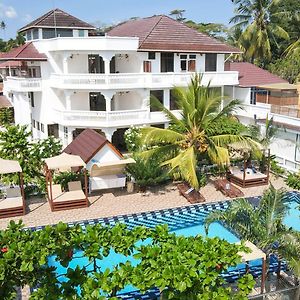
(129, 63)
(127, 101)
(106, 154)
(78, 63)
(220, 62)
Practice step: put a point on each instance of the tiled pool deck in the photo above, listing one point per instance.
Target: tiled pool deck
(114, 203)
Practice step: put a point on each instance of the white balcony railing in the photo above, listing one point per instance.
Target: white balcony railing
(101, 118)
(138, 80)
(23, 84)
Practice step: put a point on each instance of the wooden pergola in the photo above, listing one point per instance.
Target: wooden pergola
(255, 254)
(14, 203)
(74, 197)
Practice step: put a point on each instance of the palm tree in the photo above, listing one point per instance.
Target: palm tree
(264, 137)
(3, 26)
(178, 14)
(263, 225)
(192, 137)
(255, 17)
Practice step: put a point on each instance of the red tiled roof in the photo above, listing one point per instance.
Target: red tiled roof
(87, 144)
(57, 18)
(11, 64)
(4, 102)
(24, 52)
(251, 75)
(163, 33)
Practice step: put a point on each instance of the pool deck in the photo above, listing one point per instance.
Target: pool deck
(119, 202)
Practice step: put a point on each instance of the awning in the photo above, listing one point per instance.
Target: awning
(64, 162)
(278, 86)
(110, 168)
(254, 254)
(9, 166)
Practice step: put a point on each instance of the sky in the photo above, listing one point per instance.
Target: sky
(17, 13)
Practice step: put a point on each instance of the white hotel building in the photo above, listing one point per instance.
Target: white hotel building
(65, 79)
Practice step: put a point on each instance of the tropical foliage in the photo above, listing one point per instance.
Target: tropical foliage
(180, 267)
(293, 181)
(254, 16)
(6, 116)
(15, 144)
(147, 172)
(193, 137)
(263, 225)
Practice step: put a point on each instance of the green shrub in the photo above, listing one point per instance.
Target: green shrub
(293, 181)
(132, 139)
(63, 178)
(275, 168)
(147, 172)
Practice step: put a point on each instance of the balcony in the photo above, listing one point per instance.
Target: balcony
(138, 80)
(78, 118)
(23, 84)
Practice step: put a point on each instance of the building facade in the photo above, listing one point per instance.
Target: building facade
(68, 79)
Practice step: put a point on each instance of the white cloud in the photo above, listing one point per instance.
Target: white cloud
(7, 11)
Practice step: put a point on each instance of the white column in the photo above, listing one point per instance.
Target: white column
(61, 134)
(106, 66)
(68, 99)
(65, 64)
(109, 133)
(222, 97)
(108, 96)
(40, 33)
(167, 98)
(70, 134)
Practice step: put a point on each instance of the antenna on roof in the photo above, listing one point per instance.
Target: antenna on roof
(54, 17)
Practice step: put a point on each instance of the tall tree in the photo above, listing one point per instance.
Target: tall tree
(255, 18)
(192, 137)
(3, 26)
(178, 14)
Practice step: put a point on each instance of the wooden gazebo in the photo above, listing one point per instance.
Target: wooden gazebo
(248, 176)
(74, 197)
(255, 254)
(14, 203)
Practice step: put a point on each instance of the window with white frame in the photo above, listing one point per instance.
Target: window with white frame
(188, 62)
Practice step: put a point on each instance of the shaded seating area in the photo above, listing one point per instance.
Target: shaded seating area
(74, 197)
(227, 188)
(109, 174)
(13, 204)
(246, 174)
(191, 195)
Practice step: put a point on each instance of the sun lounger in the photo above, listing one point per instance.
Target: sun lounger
(227, 188)
(74, 186)
(56, 190)
(192, 195)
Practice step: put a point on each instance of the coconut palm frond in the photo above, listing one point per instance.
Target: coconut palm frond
(185, 163)
(165, 152)
(152, 136)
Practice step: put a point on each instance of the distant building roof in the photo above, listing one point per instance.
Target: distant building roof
(24, 52)
(162, 33)
(4, 102)
(251, 75)
(87, 144)
(57, 18)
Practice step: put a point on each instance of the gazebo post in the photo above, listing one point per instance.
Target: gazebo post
(22, 190)
(50, 181)
(263, 275)
(278, 269)
(85, 183)
(244, 173)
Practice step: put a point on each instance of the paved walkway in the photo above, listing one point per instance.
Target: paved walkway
(113, 203)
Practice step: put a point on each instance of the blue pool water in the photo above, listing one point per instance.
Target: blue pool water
(293, 218)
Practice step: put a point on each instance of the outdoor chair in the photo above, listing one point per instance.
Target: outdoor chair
(192, 195)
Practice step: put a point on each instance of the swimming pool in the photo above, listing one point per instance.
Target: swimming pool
(187, 221)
